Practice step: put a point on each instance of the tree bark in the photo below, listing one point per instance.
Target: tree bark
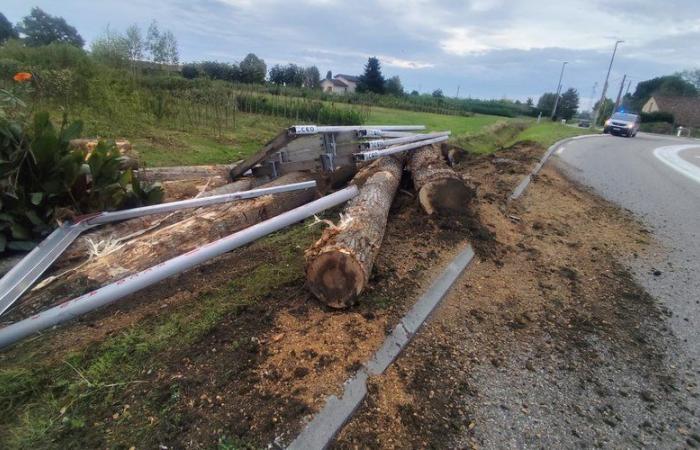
(440, 189)
(201, 226)
(175, 173)
(339, 264)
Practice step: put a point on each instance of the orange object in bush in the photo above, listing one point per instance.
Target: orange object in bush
(22, 77)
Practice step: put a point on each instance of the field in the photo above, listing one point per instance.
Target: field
(547, 133)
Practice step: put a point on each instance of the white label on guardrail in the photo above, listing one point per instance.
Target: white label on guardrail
(305, 129)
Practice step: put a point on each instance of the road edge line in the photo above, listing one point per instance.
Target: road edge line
(520, 188)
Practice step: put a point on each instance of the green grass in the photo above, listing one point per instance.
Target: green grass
(459, 125)
(50, 400)
(169, 147)
(547, 133)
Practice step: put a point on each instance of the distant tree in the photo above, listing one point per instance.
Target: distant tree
(171, 52)
(329, 75)
(155, 44)
(393, 86)
(372, 79)
(162, 45)
(568, 104)
(219, 71)
(415, 93)
(40, 28)
(546, 102)
(669, 85)
(190, 71)
(293, 75)
(135, 43)
(7, 31)
(312, 77)
(606, 110)
(529, 102)
(691, 76)
(252, 69)
(437, 93)
(277, 75)
(111, 48)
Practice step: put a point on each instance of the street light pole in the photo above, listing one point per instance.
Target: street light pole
(605, 86)
(556, 100)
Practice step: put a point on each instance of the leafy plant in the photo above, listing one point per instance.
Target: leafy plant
(44, 180)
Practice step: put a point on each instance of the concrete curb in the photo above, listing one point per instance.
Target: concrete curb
(323, 428)
(327, 423)
(518, 191)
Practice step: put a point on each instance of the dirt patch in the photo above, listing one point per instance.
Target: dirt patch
(549, 344)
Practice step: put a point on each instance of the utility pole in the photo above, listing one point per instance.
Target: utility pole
(619, 93)
(556, 100)
(601, 104)
(595, 85)
(457, 96)
(629, 83)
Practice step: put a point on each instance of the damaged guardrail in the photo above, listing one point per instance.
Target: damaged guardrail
(119, 289)
(29, 269)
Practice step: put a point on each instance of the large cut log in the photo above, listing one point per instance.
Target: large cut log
(202, 226)
(339, 264)
(115, 233)
(174, 173)
(441, 190)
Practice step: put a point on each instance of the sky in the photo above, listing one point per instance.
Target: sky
(471, 48)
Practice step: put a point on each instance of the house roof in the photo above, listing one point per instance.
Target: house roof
(352, 78)
(336, 83)
(685, 110)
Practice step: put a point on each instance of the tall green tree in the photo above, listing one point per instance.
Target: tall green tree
(546, 102)
(692, 77)
(312, 77)
(329, 75)
(393, 86)
(135, 43)
(568, 104)
(372, 79)
(40, 28)
(162, 45)
(7, 31)
(111, 48)
(253, 69)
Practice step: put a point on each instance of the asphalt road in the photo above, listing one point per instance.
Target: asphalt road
(658, 179)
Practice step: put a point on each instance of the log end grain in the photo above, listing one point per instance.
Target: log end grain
(446, 197)
(336, 278)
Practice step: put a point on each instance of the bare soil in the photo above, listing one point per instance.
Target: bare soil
(546, 341)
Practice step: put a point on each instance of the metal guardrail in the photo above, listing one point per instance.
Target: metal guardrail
(374, 154)
(29, 269)
(119, 289)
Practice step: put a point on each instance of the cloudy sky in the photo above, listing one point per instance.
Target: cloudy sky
(487, 48)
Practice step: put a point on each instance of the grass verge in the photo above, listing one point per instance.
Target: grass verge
(85, 398)
(547, 133)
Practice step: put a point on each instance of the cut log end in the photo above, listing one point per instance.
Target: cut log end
(446, 197)
(336, 278)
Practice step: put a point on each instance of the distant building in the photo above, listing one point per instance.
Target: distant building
(685, 110)
(340, 84)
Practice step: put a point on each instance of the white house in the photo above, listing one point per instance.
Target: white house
(340, 84)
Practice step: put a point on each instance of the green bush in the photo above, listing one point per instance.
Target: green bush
(43, 180)
(657, 116)
(657, 127)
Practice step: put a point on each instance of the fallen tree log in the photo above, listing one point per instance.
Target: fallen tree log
(114, 233)
(339, 264)
(440, 189)
(200, 227)
(175, 173)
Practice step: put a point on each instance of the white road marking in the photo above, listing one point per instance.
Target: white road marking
(669, 155)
